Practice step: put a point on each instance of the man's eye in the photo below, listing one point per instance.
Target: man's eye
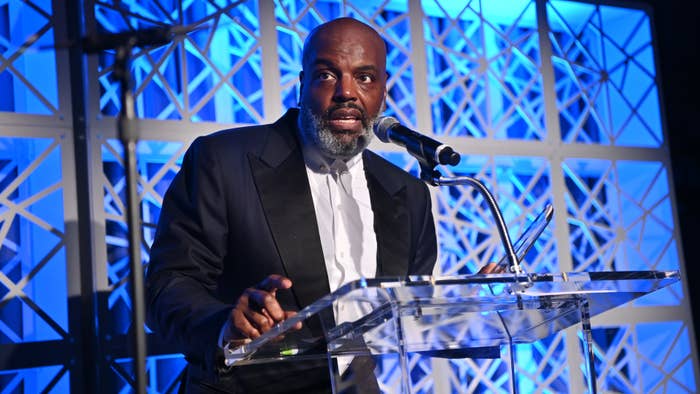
(324, 76)
(365, 78)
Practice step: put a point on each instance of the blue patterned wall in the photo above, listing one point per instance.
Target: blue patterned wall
(548, 101)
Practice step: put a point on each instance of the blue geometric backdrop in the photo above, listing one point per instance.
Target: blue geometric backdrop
(549, 102)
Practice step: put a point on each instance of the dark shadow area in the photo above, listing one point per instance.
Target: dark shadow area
(676, 31)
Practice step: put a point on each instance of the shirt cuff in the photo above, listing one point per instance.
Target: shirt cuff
(220, 343)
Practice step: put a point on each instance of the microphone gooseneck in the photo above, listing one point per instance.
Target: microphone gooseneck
(430, 153)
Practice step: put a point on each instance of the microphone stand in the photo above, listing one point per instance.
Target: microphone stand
(124, 43)
(128, 136)
(433, 177)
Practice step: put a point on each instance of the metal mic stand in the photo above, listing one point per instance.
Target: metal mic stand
(128, 136)
(433, 177)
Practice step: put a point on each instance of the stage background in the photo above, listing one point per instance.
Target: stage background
(548, 101)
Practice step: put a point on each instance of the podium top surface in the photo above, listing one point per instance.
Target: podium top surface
(446, 316)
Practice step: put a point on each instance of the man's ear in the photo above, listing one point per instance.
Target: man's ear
(386, 81)
(301, 87)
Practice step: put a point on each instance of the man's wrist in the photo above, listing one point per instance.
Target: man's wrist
(230, 344)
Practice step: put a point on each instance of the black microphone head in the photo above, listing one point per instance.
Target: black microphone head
(382, 127)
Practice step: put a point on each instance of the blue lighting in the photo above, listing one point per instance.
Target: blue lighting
(484, 84)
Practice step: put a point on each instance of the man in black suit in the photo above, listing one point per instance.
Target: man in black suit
(255, 226)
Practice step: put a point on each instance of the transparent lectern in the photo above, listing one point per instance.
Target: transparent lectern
(448, 317)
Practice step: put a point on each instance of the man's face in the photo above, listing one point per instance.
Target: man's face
(343, 88)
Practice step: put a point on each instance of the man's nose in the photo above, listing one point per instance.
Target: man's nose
(345, 89)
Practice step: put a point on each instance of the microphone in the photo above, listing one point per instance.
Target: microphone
(150, 37)
(424, 148)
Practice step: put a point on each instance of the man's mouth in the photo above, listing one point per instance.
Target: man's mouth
(345, 123)
(349, 119)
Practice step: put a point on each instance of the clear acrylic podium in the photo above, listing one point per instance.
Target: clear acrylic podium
(448, 317)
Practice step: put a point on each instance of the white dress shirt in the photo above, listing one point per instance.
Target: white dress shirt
(344, 217)
(346, 227)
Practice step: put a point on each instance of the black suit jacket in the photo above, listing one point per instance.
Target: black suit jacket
(241, 209)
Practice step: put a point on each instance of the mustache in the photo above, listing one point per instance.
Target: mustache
(335, 107)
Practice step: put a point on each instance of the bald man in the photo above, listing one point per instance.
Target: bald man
(262, 221)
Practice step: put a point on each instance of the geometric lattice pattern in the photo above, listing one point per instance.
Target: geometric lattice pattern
(548, 101)
(466, 226)
(483, 69)
(646, 358)
(620, 215)
(48, 379)
(620, 218)
(158, 164)
(478, 375)
(27, 58)
(542, 366)
(163, 373)
(605, 76)
(213, 73)
(33, 293)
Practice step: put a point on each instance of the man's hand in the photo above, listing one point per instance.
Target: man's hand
(492, 268)
(257, 310)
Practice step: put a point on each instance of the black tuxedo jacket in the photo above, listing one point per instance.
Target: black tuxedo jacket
(241, 209)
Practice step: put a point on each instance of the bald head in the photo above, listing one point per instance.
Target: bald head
(347, 27)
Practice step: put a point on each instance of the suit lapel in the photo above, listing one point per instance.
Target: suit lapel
(391, 218)
(283, 187)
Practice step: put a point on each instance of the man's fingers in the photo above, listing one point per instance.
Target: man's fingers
(248, 309)
(265, 300)
(259, 320)
(492, 268)
(248, 323)
(274, 282)
(257, 309)
(289, 314)
(264, 296)
(243, 326)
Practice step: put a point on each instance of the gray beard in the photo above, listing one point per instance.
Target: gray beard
(315, 131)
